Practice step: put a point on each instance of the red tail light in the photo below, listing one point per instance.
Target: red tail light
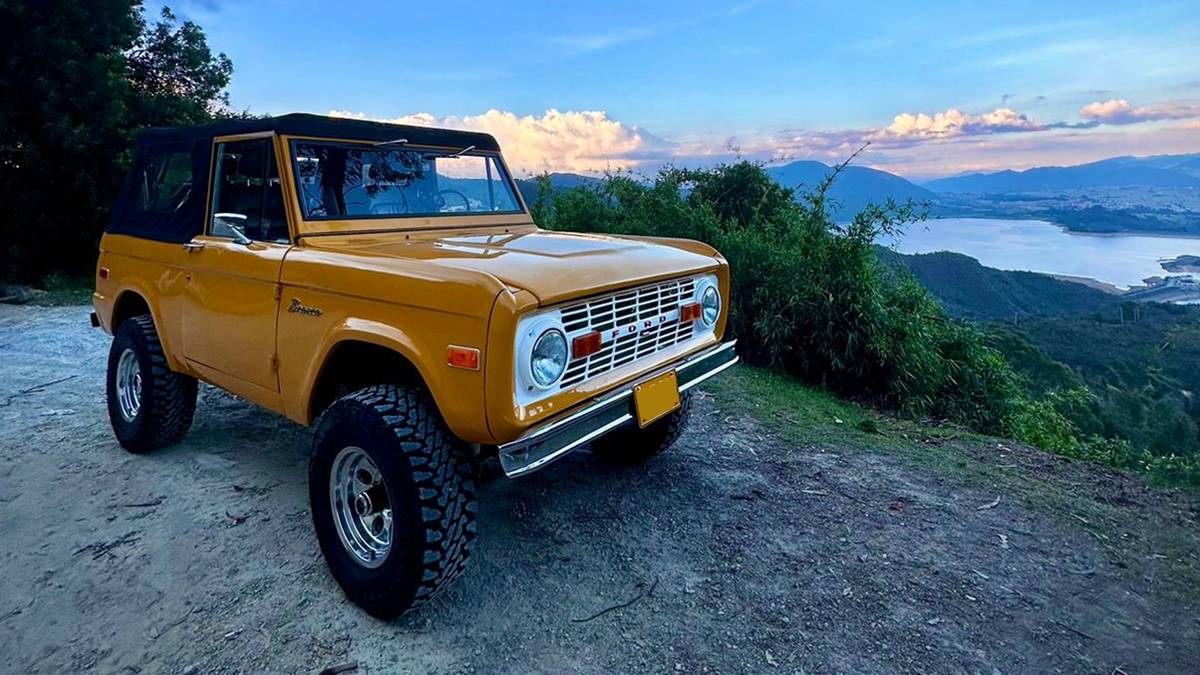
(689, 312)
(585, 345)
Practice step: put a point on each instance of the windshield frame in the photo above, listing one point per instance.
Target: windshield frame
(341, 224)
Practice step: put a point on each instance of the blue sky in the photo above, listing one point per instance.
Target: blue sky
(1009, 85)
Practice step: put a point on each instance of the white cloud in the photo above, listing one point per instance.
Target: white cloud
(952, 123)
(585, 141)
(591, 42)
(1121, 111)
(919, 144)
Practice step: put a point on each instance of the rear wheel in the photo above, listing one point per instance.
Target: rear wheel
(150, 406)
(633, 445)
(392, 498)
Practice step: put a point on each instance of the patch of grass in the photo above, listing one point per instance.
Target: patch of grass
(796, 411)
(1167, 553)
(61, 289)
(806, 415)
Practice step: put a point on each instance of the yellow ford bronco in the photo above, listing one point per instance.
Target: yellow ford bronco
(387, 285)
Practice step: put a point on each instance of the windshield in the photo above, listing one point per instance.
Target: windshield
(354, 181)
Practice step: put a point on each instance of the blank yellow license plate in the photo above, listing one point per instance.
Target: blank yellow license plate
(656, 398)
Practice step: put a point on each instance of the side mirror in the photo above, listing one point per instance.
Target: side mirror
(231, 225)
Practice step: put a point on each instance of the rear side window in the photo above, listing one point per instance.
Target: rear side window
(163, 182)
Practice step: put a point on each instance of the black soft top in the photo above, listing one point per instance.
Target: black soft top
(176, 149)
(304, 124)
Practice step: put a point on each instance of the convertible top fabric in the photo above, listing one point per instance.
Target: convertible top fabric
(184, 219)
(302, 124)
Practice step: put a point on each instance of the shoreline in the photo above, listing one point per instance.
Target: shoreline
(1079, 233)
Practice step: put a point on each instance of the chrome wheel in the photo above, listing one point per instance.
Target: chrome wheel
(129, 385)
(362, 509)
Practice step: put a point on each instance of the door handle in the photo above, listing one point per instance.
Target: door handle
(193, 245)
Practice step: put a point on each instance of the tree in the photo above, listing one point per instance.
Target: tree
(174, 76)
(78, 79)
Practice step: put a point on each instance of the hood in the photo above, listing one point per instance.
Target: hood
(553, 266)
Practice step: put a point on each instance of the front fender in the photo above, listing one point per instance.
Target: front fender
(420, 336)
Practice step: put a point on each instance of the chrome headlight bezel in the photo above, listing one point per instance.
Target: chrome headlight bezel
(530, 330)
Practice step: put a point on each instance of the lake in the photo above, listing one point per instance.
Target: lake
(1039, 246)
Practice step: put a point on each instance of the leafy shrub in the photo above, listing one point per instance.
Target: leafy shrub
(809, 295)
(811, 298)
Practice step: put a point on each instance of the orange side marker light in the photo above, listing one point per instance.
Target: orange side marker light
(466, 358)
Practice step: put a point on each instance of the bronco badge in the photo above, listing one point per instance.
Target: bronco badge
(298, 308)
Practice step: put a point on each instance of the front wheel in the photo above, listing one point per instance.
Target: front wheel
(633, 445)
(392, 498)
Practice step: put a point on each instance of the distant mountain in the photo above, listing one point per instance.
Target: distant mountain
(854, 188)
(968, 289)
(558, 181)
(1156, 171)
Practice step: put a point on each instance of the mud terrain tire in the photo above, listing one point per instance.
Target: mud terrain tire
(427, 481)
(632, 445)
(165, 400)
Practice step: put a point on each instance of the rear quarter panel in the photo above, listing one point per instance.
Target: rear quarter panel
(153, 270)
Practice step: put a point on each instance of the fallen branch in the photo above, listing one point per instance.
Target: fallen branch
(1074, 630)
(990, 505)
(821, 477)
(102, 548)
(623, 605)
(344, 668)
(37, 388)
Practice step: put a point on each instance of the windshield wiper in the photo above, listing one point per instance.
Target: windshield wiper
(449, 155)
(397, 141)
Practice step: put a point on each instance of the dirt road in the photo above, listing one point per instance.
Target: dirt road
(735, 552)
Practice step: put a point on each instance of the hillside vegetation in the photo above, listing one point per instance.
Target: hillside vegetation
(969, 290)
(812, 298)
(1113, 368)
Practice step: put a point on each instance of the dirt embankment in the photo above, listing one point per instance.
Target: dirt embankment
(734, 552)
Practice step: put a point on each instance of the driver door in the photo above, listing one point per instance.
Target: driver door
(233, 269)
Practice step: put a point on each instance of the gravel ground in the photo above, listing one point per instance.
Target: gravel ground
(734, 552)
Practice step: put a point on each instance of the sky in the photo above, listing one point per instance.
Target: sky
(930, 89)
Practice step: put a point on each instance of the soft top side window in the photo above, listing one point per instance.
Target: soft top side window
(246, 196)
(163, 181)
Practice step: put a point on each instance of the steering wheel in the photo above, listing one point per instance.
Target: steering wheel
(466, 202)
(391, 208)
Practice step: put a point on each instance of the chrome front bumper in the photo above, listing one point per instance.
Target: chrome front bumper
(546, 443)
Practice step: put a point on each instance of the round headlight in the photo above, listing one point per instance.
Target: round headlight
(549, 358)
(710, 306)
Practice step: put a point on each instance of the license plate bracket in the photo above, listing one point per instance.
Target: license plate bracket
(656, 398)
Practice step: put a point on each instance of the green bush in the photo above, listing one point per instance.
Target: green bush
(809, 295)
(811, 298)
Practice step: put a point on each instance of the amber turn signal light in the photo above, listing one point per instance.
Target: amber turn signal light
(466, 358)
(689, 312)
(585, 345)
